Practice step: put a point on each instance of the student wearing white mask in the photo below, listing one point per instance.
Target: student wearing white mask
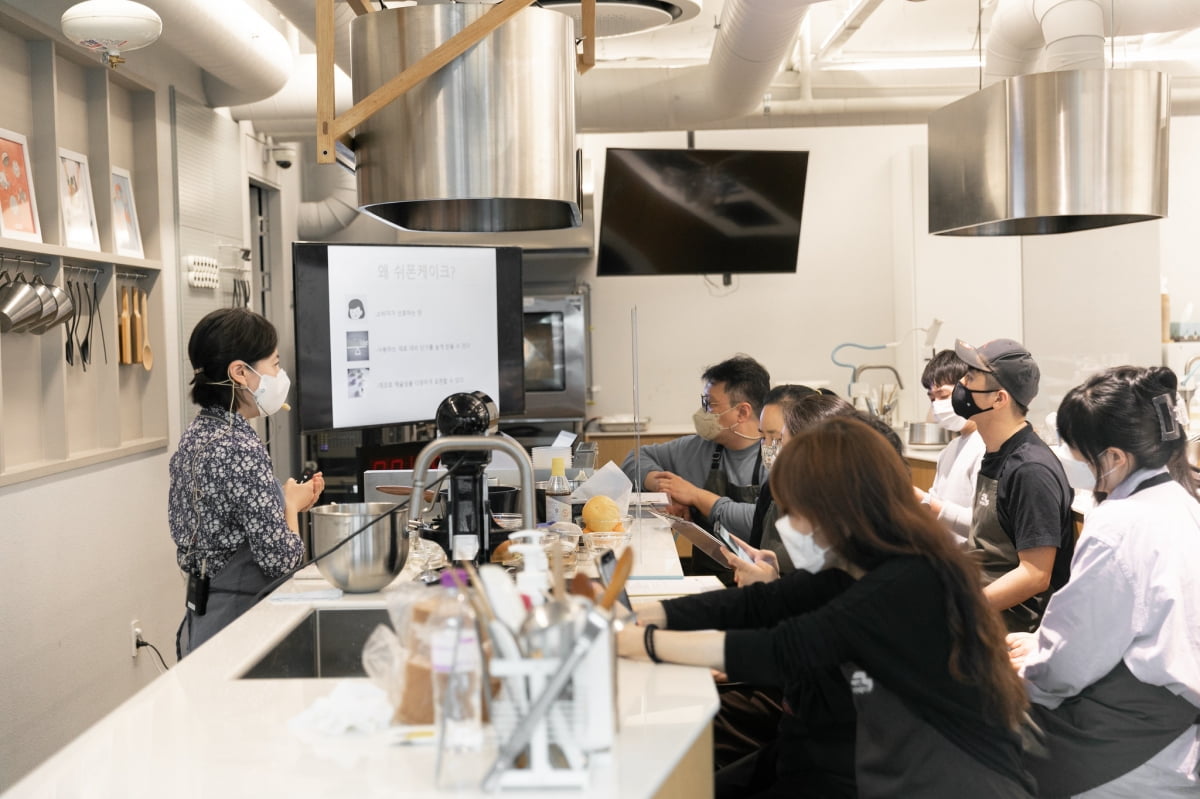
(952, 494)
(234, 527)
(1114, 669)
(904, 623)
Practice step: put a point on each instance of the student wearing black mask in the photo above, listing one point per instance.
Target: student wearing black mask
(1021, 530)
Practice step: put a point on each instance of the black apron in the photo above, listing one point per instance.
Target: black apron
(772, 541)
(231, 593)
(997, 555)
(1113, 726)
(719, 484)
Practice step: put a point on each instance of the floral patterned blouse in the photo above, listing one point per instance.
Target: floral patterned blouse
(223, 493)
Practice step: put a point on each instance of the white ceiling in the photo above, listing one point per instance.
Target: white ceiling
(901, 46)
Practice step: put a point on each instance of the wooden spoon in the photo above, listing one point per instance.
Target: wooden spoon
(139, 333)
(147, 353)
(123, 328)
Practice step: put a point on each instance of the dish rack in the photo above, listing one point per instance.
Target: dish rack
(618, 424)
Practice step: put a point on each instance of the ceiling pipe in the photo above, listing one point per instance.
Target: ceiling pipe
(243, 56)
(303, 15)
(1070, 34)
(755, 37)
(292, 111)
(336, 205)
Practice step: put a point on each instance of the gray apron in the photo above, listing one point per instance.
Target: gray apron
(997, 555)
(772, 541)
(1113, 726)
(231, 593)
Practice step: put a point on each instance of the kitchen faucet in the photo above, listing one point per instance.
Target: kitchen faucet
(886, 405)
(477, 444)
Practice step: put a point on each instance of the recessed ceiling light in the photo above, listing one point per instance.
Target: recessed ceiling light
(626, 17)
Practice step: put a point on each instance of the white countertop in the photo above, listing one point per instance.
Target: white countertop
(199, 731)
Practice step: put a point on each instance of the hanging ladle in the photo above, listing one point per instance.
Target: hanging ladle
(72, 322)
(85, 346)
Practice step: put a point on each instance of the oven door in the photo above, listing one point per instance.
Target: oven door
(555, 357)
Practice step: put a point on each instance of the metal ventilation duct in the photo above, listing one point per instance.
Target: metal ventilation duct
(1051, 152)
(485, 144)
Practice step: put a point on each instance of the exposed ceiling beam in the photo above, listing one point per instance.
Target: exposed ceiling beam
(849, 24)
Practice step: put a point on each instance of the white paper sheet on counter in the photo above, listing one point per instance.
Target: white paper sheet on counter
(678, 587)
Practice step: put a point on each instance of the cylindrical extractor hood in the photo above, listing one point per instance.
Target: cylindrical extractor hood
(485, 144)
(1051, 152)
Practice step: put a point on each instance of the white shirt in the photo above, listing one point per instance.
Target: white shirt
(954, 483)
(1134, 595)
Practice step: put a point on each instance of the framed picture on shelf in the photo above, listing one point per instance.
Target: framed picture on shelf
(127, 236)
(78, 205)
(18, 209)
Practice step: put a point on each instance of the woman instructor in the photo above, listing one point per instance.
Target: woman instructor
(234, 527)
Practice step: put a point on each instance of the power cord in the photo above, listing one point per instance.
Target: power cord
(143, 642)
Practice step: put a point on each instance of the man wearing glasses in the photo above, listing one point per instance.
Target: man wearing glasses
(714, 475)
(1021, 527)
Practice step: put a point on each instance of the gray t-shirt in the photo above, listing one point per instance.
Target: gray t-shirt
(690, 457)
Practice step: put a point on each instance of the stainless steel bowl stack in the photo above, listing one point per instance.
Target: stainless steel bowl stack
(373, 558)
(924, 434)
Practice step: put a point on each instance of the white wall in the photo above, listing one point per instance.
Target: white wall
(1180, 231)
(841, 291)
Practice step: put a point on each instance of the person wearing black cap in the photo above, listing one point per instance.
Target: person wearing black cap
(1021, 528)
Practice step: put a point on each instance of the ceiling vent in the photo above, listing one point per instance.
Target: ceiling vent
(626, 17)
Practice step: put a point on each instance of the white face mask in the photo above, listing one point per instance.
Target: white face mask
(944, 415)
(272, 391)
(1079, 473)
(802, 548)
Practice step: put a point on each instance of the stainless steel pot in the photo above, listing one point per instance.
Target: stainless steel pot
(373, 558)
(927, 434)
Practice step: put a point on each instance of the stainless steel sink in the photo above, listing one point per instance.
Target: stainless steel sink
(326, 643)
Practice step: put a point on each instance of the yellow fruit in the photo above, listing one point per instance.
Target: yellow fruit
(601, 514)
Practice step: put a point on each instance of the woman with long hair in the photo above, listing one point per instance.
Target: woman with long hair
(904, 619)
(1114, 668)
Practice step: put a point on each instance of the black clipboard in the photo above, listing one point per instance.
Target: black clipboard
(702, 539)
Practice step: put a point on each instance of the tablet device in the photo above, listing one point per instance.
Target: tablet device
(702, 539)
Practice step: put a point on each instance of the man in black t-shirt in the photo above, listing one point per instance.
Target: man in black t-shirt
(1021, 525)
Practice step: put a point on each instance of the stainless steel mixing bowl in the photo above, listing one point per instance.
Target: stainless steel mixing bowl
(373, 558)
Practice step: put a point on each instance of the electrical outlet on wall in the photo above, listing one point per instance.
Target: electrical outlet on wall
(135, 635)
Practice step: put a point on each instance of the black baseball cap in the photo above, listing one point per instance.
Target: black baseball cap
(1009, 362)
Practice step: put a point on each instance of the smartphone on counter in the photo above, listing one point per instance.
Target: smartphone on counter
(607, 564)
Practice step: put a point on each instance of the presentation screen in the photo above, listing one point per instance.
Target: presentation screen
(385, 333)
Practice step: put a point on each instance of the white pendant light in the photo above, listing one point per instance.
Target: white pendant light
(111, 27)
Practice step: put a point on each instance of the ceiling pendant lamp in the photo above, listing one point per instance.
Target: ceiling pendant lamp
(111, 27)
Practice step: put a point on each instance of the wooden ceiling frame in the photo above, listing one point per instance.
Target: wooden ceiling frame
(332, 126)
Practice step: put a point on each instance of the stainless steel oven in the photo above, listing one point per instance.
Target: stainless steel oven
(556, 355)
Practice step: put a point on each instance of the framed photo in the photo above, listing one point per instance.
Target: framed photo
(18, 210)
(78, 205)
(127, 236)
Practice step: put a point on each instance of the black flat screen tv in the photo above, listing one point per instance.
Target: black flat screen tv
(385, 333)
(686, 212)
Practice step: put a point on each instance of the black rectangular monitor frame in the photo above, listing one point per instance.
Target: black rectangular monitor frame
(688, 212)
(310, 267)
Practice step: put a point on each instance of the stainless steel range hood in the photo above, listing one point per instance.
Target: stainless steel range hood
(485, 144)
(1051, 152)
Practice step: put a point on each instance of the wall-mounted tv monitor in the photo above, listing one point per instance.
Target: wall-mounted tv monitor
(385, 333)
(686, 212)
